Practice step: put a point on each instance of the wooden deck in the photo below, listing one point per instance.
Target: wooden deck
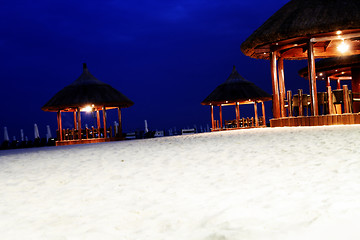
(334, 119)
(86, 141)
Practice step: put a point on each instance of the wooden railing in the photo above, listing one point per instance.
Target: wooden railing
(87, 133)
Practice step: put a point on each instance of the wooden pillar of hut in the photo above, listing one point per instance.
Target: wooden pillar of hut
(104, 121)
(59, 125)
(75, 121)
(275, 85)
(355, 86)
(338, 84)
(328, 82)
(290, 103)
(281, 86)
(237, 111)
(120, 123)
(330, 100)
(256, 115)
(263, 113)
(212, 117)
(220, 113)
(346, 99)
(312, 79)
(98, 122)
(79, 123)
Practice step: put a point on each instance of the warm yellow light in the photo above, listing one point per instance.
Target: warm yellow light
(343, 47)
(87, 109)
(338, 32)
(320, 74)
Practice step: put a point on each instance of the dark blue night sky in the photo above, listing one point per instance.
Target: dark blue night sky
(166, 56)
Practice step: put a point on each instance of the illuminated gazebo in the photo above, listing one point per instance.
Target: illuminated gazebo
(306, 29)
(339, 69)
(89, 94)
(236, 91)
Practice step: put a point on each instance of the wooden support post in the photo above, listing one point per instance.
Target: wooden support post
(289, 97)
(75, 121)
(338, 84)
(256, 115)
(98, 122)
(59, 126)
(312, 79)
(300, 93)
(104, 120)
(212, 118)
(220, 113)
(330, 100)
(328, 82)
(346, 99)
(281, 87)
(237, 111)
(355, 87)
(79, 123)
(275, 85)
(120, 123)
(263, 113)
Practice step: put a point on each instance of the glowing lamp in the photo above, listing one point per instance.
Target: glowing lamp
(343, 47)
(87, 109)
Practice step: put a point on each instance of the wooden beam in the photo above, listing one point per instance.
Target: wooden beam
(330, 100)
(355, 87)
(263, 113)
(281, 86)
(237, 111)
(300, 93)
(256, 114)
(104, 120)
(212, 118)
(75, 121)
(275, 85)
(289, 98)
(59, 125)
(220, 113)
(346, 99)
(335, 37)
(79, 123)
(98, 122)
(326, 44)
(120, 122)
(338, 83)
(312, 79)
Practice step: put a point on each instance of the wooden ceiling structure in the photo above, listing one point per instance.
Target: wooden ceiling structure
(89, 94)
(305, 29)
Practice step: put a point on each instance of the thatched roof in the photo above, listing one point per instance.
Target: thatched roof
(236, 89)
(84, 91)
(329, 64)
(304, 18)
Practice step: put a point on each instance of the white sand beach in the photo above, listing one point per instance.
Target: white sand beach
(272, 183)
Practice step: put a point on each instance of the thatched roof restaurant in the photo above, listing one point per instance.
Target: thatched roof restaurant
(304, 29)
(236, 90)
(87, 93)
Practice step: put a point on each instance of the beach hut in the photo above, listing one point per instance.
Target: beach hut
(236, 91)
(305, 29)
(89, 94)
(340, 69)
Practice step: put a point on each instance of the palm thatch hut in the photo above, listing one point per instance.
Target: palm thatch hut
(339, 69)
(236, 90)
(87, 93)
(304, 29)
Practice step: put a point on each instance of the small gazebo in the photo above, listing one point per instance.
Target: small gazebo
(236, 91)
(89, 94)
(305, 29)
